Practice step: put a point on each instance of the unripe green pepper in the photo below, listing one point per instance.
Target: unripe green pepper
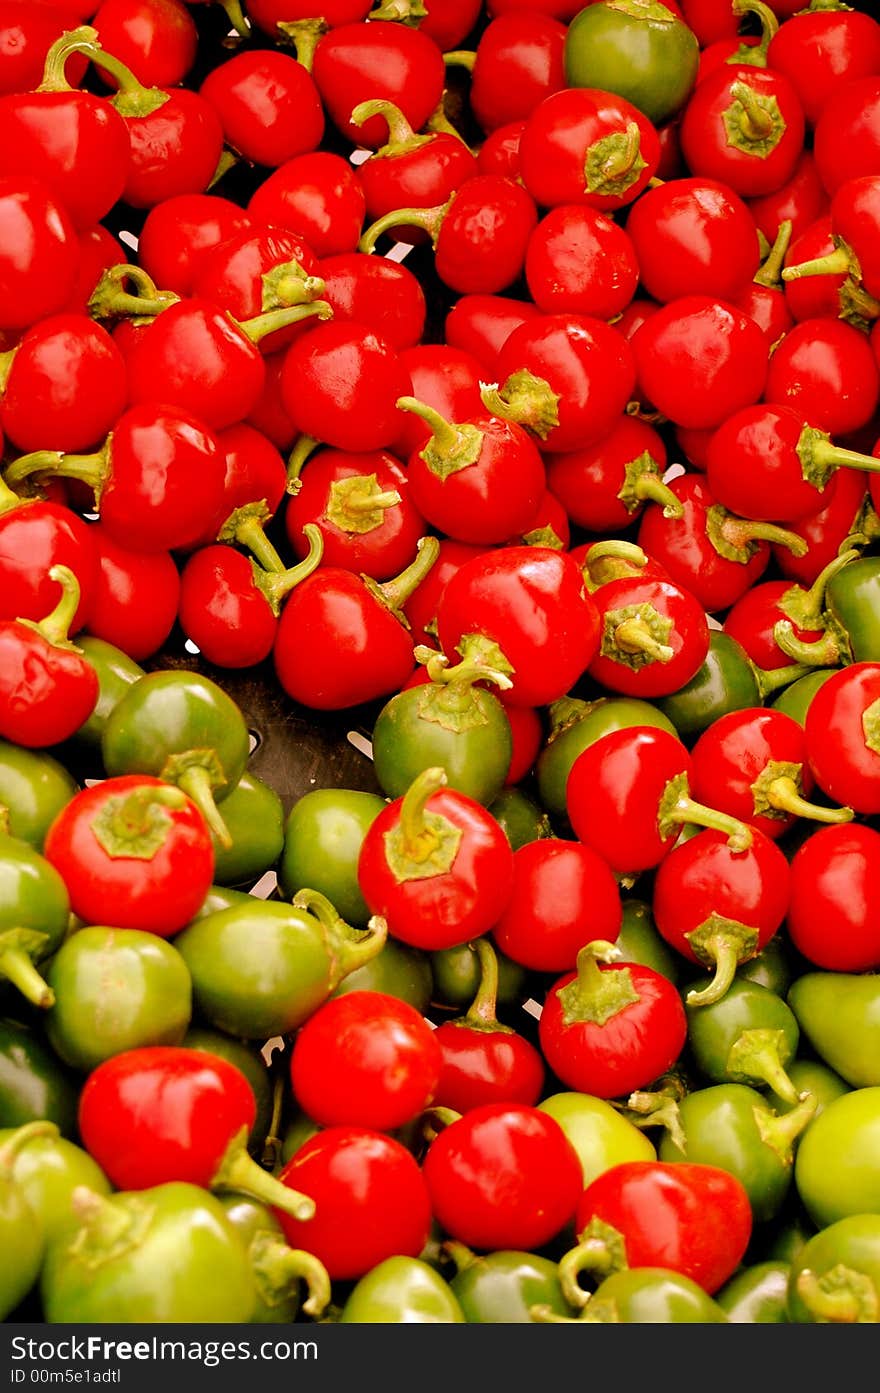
(47, 1167)
(34, 787)
(116, 672)
(254, 817)
(504, 1286)
(398, 970)
(837, 1168)
(575, 724)
(750, 1036)
(727, 680)
(639, 941)
(279, 1271)
(835, 1278)
(646, 1296)
(322, 840)
(34, 917)
(839, 1013)
(34, 1085)
(22, 1236)
(402, 1290)
(520, 817)
(757, 1294)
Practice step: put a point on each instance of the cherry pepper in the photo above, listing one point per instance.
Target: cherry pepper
(847, 595)
(47, 687)
(628, 794)
(436, 865)
(164, 1113)
(654, 635)
(181, 727)
(34, 916)
(343, 639)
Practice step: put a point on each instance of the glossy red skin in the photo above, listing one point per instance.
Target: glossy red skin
(194, 357)
(174, 150)
(499, 152)
(503, 1176)
(624, 1053)
(444, 377)
(446, 908)
(754, 469)
(693, 236)
(688, 637)
(703, 876)
(800, 200)
(558, 136)
(268, 414)
(356, 63)
(527, 730)
(818, 53)
(734, 751)
(483, 235)
(814, 297)
(578, 259)
(825, 369)
(66, 387)
(518, 63)
(683, 548)
(53, 136)
(587, 482)
(317, 195)
(833, 883)
(159, 894)
(710, 20)
(481, 324)
(377, 291)
(371, 1200)
(166, 475)
(135, 597)
(46, 691)
(421, 607)
(855, 220)
(613, 796)
(180, 232)
(156, 39)
(694, 444)
(704, 140)
(421, 177)
(480, 1065)
(34, 537)
(683, 1216)
(723, 51)
(163, 1113)
(98, 251)
(255, 471)
(382, 552)
(589, 366)
(268, 106)
(825, 530)
(557, 9)
(267, 14)
(337, 646)
(365, 1059)
(532, 602)
(39, 253)
(491, 500)
(222, 611)
(448, 22)
(767, 305)
(27, 32)
(752, 618)
(700, 359)
(846, 138)
(564, 895)
(550, 517)
(231, 277)
(340, 384)
(843, 764)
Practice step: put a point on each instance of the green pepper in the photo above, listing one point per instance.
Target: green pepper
(22, 1236)
(835, 1278)
(184, 728)
(837, 1168)
(811, 1076)
(34, 1084)
(504, 1286)
(795, 699)
(322, 841)
(280, 1272)
(254, 817)
(636, 48)
(456, 976)
(727, 680)
(260, 970)
(749, 1036)
(757, 1294)
(48, 1168)
(162, 1255)
(297, 1132)
(849, 590)
(116, 672)
(115, 989)
(771, 968)
(575, 724)
(645, 1296)
(448, 722)
(222, 897)
(732, 1126)
(599, 1134)
(398, 970)
(34, 917)
(402, 1289)
(839, 1013)
(520, 817)
(34, 787)
(639, 941)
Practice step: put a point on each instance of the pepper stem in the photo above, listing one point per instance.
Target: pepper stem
(55, 628)
(840, 1296)
(600, 1252)
(460, 58)
(279, 584)
(246, 526)
(17, 967)
(23, 1136)
(401, 136)
(756, 1056)
(723, 944)
(771, 680)
(836, 263)
(68, 43)
(822, 652)
(634, 636)
(396, 592)
(303, 35)
(784, 794)
(770, 272)
(676, 807)
(304, 446)
(756, 120)
(236, 17)
(262, 325)
(482, 1013)
(195, 780)
(415, 833)
(463, 674)
(238, 1171)
(279, 1267)
(430, 219)
(109, 299)
(91, 470)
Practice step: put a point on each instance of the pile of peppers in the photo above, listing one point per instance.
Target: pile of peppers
(494, 384)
